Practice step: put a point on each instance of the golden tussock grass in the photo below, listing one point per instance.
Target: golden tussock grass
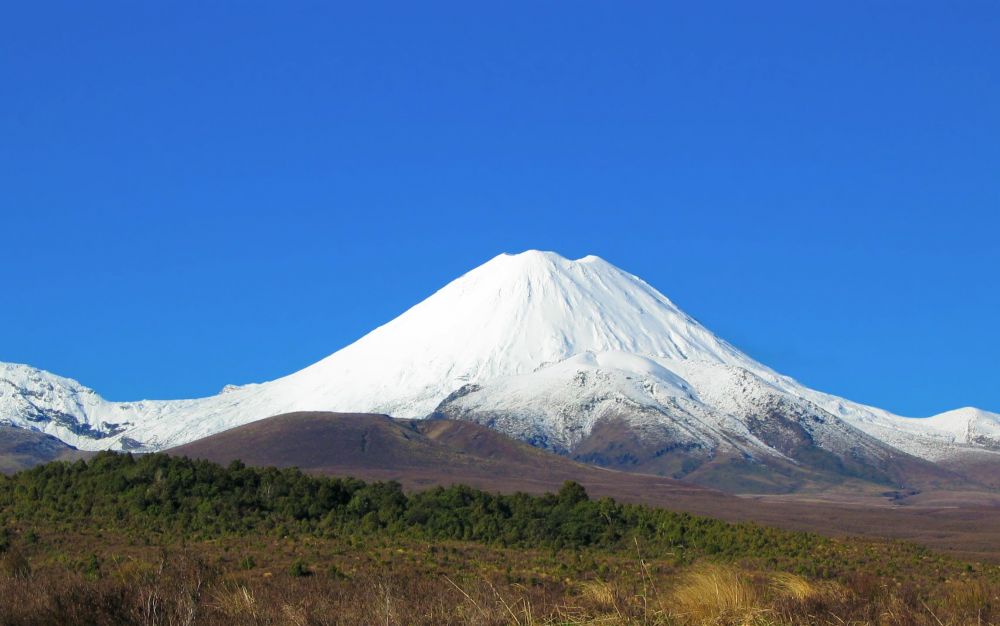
(715, 594)
(599, 594)
(787, 585)
(237, 602)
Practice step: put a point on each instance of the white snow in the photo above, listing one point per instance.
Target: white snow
(524, 328)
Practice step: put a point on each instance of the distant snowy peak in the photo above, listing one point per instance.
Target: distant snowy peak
(39, 400)
(967, 423)
(940, 435)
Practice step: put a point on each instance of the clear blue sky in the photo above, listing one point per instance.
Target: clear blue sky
(202, 193)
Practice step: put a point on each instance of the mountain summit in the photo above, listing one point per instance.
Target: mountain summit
(574, 355)
(509, 316)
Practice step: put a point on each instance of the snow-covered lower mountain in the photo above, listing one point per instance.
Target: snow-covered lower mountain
(545, 349)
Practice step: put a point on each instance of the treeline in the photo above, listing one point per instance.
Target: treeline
(193, 499)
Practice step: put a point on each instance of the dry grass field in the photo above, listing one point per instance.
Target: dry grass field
(106, 579)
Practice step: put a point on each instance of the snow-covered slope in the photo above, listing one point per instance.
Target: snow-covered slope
(541, 347)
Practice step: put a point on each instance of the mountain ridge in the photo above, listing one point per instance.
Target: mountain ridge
(544, 349)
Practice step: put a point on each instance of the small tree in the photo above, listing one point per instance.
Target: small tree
(572, 493)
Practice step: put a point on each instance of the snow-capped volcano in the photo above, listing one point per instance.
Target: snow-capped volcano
(543, 348)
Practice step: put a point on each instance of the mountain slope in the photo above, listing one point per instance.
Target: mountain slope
(22, 449)
(564, 354)
(721, 425)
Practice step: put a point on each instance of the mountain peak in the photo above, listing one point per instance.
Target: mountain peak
(542, 258)
(532, 255)
(507, 317)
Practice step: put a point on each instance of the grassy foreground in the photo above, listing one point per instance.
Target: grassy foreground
(161, 540)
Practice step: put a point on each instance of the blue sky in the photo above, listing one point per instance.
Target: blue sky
(195, 194)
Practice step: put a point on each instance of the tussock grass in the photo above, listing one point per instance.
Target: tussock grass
(712, 594)
(795, 587)
(237, 602)
(599, 594)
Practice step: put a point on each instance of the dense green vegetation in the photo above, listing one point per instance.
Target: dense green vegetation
(191, 499)
(188, 497)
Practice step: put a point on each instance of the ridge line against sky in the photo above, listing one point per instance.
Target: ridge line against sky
(193, 196)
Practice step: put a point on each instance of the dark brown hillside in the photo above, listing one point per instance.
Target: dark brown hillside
(615, 444)
(982, 466)
(22, 449)
(421, 453)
